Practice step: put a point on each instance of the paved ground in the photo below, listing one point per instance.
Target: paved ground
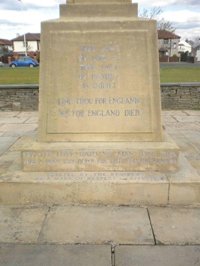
(101, 236)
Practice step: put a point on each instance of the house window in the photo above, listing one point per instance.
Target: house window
(174, 45)
(166, 41)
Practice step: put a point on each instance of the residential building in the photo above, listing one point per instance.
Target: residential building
(196, 51)
(5, 45)
(184, 47)
(5, 50)
(29, 42)
(168, 43)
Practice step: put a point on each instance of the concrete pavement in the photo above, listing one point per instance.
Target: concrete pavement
(99, 236)
(101, 225)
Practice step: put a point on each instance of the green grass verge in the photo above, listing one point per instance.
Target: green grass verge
(19, 75)
(187, 74)
(31, 75)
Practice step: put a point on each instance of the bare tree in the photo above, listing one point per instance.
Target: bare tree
(151, 13)
(154, 13)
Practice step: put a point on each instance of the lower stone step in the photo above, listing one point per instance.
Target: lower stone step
(104, 188)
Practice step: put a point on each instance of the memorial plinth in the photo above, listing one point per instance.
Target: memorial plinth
(100, 108)
(97, 157)
(99, 75)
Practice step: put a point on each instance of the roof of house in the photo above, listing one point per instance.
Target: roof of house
(184, 43)
(5, 42)
(29, 37)
(165, 34)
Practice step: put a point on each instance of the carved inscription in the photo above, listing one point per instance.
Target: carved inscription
(100, 176)
(100, 92)
(92, 160)
(116, 104)
(99, 66)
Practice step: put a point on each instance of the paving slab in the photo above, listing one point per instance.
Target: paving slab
(32, 120)
(192, 112)
(21, 225)
(9, 161)
(157, 256)
(194, 137)
(176, 226)
(12, 120)
(27, 114)
(18, 129)
(55, 255)
(178, 126)
(97, 225)
(174, 113)
(8, 114)
(168, 119)
(185, 119)
(6, 143)
(183, 143)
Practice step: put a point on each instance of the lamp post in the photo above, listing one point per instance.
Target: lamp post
(25, 45)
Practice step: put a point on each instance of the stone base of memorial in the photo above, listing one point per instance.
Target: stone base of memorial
(98, 156)
(88, 174)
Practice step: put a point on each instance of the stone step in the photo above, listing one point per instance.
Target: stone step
(103, 188)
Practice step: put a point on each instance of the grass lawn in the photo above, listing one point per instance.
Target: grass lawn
(19, 75)
(31, 75)
(176, 74)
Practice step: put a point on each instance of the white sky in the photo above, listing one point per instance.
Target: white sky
(19, 17)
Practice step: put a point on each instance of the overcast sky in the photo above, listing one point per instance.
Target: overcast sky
(19, 17)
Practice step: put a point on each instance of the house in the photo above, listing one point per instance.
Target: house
(168, 44)
(5, 50)
(197, 53)
(184, 47)
(27, 43)
(5, 45)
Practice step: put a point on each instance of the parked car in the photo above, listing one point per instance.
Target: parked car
(1, 64)
(25, 61)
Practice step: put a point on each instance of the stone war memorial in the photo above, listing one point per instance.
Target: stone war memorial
(100, 138)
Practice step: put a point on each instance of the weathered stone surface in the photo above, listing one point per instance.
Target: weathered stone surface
(97, 225)
(51, 255)
(105, 90)
(20, 225)
(98, 1)
(87, 188)
(179, 226)
(157, 256)
(96, 157)
(98, 9)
